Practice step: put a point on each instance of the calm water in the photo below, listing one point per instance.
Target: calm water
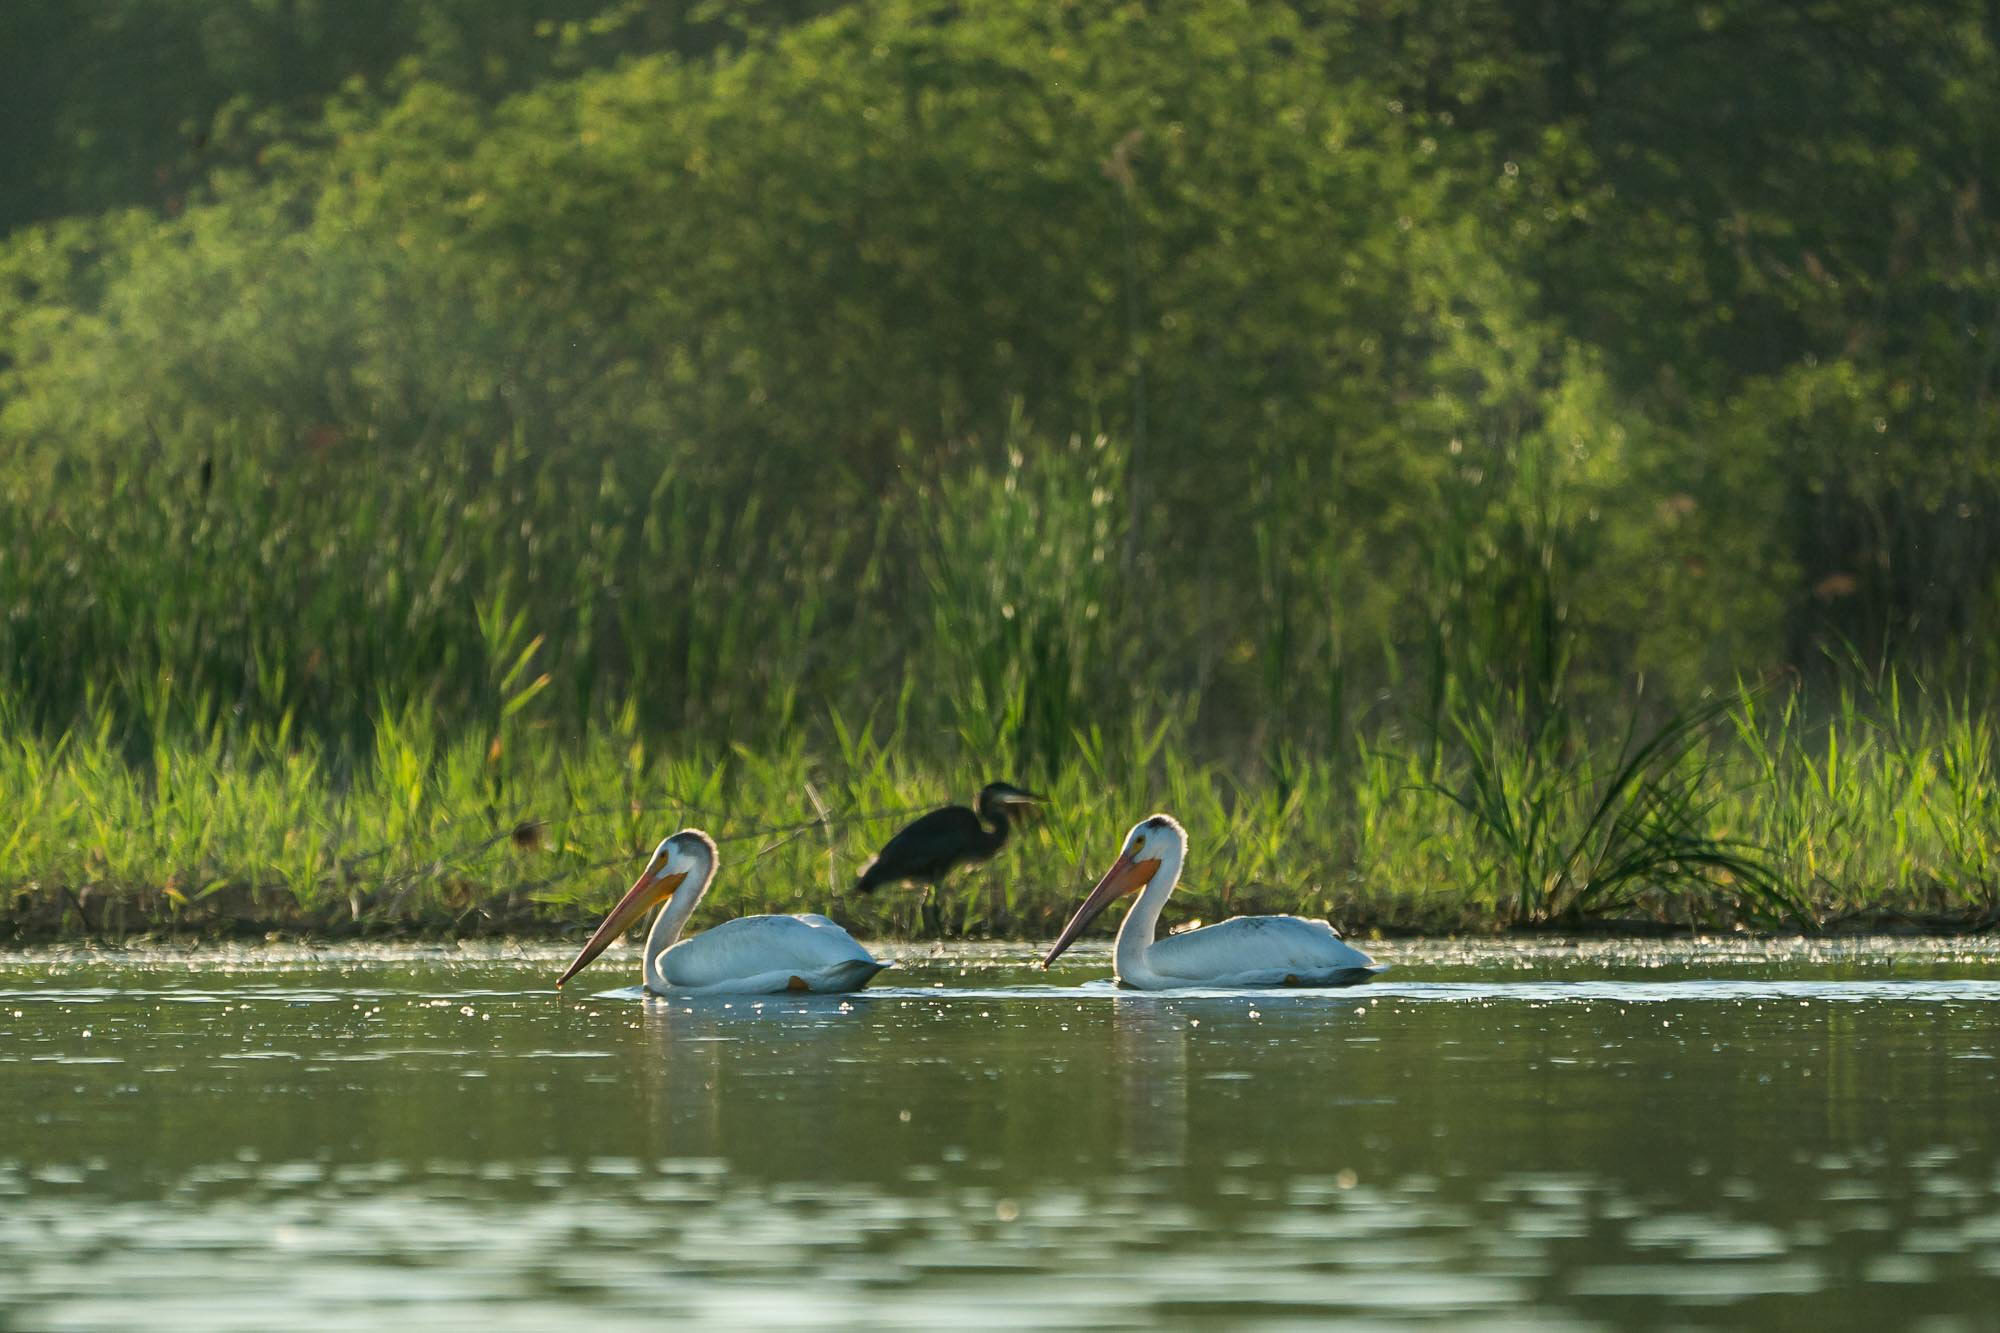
(1655, 1136)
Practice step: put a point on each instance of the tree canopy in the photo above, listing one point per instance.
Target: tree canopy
(1247, 354)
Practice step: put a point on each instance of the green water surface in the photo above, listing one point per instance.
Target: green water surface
(1756, 1135)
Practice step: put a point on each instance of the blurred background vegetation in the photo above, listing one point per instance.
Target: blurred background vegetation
(1317, 381)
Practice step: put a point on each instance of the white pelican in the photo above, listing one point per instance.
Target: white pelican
(753, 955)
(1242, 951)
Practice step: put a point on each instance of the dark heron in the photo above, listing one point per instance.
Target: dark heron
(933, 845)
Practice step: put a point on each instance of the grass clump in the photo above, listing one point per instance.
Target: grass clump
(1581, 830)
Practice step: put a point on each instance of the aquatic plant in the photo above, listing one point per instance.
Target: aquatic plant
(1586, 830)
(1738, 812)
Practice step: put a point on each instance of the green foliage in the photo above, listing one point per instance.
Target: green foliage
(1021, 577)
(1890, 802)
(476, 402)
(1584, 831)
(1873, 815)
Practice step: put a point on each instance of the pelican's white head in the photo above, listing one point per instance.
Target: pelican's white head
(687, 853)
(1152, 841)
(1152, 836)
(679, 857)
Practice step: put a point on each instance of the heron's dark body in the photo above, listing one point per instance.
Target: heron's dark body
(933, 845)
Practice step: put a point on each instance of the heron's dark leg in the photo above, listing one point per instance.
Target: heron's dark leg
(928, 913)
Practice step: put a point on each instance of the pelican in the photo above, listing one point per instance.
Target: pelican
(1242, 951)
(752, 955)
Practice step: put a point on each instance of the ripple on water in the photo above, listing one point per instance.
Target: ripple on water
(1544, 1135)
(1710, 1284)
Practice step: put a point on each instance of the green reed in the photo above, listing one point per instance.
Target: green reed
(1585, 829)
(1889, 802)
(324, 686)
(246, 825)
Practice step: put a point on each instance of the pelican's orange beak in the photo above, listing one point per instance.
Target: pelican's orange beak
(651, 888)
(1125, 876)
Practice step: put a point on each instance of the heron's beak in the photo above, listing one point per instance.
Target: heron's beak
(650, 888)
(1125, 876)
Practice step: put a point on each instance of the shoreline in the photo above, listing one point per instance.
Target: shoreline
(19, 932)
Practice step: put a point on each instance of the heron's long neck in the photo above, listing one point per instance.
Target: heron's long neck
(996, 815)
(672, 919)
(1142, 923)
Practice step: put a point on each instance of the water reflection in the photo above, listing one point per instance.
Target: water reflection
(711, 1071)
(1149, 1051)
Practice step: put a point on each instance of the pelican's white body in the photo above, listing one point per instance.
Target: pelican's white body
(1244, 951)
(757, 955)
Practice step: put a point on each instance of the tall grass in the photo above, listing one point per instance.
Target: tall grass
(453, 693)
(1586, 830)
(323, 591)
(1739, 814)
(1889, 803)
